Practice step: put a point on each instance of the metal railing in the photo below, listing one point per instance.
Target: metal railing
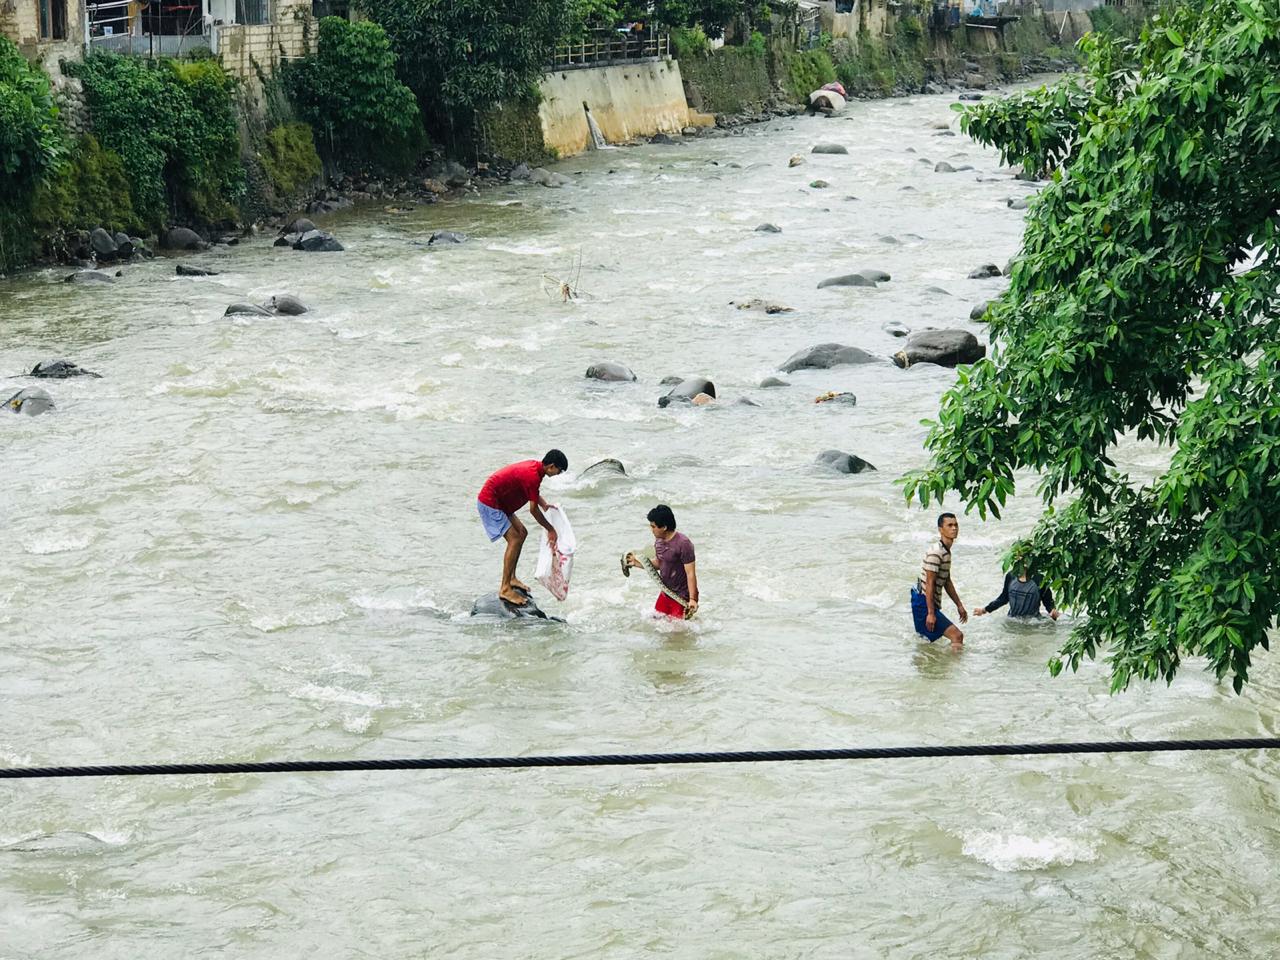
(602, 47)
(144, 30)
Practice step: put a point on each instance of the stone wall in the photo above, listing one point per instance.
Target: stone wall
(731, 80)
(627, 100)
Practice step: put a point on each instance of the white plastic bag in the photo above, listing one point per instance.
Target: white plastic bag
(553, 572)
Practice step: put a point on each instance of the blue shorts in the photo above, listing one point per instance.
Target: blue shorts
(920, 612)
(496, 523)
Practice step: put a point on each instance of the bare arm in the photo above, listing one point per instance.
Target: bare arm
(543, 521)
(691, 571)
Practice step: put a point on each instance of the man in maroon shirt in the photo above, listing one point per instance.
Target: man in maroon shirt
(505, 492)
(677, 567)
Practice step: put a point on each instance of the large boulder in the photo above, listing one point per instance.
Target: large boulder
(299, 226)
(608, 467)
(874, 275)
(546, 178)
(946, 348)
(984, 272)
(91, 276)
(285, 305)
(829, 148)
(317, 241)
(60, 370)
(687, 390)
(125, 247)
(104, 245)
(842, 462)
(31, 402)
(611, 372)
(824, 356)
(847, 280)
(493, 607)
(180, 238)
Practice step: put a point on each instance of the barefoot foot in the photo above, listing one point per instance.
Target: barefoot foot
(520, 585)
(512, 597)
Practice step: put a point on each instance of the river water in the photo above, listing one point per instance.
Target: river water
(256, 538)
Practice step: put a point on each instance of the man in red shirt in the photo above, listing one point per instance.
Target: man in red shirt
(505, 492)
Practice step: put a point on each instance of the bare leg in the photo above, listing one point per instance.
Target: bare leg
(953, 634)
(514, 536)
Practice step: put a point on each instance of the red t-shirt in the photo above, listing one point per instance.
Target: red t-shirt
(513, 486)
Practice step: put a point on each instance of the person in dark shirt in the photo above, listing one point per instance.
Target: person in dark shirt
(677, 566)
(1024, 595)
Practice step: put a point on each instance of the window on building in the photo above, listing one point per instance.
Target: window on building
(253, 11)
(331, 8)
(53, 19)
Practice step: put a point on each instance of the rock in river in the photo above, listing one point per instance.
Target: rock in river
(31, 402)
(768, 228)
(946, 348)
(180, 238)
(446, 237)
(824, 356)
(842, 462)
(183, 270)
(984, 271)
(91, 276)
(847, 280)
(285, 305)
(611, 372)
(317, 241)
(60, 370)
(246, 309)
(768, 382)
(608, 467)
(493, 607)
(979, 310)
(829, 148)
(688, 390)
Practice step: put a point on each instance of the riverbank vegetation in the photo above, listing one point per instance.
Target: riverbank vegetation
(1143, 304)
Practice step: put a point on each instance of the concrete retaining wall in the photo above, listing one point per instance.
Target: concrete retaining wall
(251, 51)
(627, 100)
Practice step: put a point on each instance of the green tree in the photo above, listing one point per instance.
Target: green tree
(1133, 312)
(349, 94)
(464, 56)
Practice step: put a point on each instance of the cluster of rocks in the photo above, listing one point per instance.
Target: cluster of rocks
(281, 305)
(301, 234)
(33, 401)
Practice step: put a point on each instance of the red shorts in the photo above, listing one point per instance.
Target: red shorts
(668, 607)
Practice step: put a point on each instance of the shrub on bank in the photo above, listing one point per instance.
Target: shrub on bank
(289, 157)
(805, 71)
(32, 145)
(348, 92)
(173, 126)
(90, 189)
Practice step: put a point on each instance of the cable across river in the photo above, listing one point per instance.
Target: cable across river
(637, 759)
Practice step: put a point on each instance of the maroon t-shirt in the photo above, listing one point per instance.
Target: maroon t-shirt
(673, 554)
(513, 486)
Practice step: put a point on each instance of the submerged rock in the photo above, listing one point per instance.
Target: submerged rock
(285, 304)
(946, 348)
(824, 356)
(985, 271)
(610, 372)
(979, 310)
(446, 237)
(492, 606)
(842, 398)
(183, 270)
(829, 148)
(768, 228)
(606, 467)
(895, 329)
(60, 370)
(246, 309)
(842, 462)
(875, 276)
(755, 303)
(91, 276)
(30, 401)
(689, 390)
(847, 280)
(768, 382)
(317, 241)
(819, 184)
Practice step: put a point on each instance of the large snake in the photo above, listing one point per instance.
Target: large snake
(648, 560)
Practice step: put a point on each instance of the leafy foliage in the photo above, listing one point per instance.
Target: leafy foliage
(31, 146)
(89, 189)
(173, 126)
(289, 156)
(805, 71)
(1134, 311)
(348, 92)
(463, 56)
(1035, 128)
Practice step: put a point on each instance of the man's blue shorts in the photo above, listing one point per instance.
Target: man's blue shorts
(920, 612)
(495, 521)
